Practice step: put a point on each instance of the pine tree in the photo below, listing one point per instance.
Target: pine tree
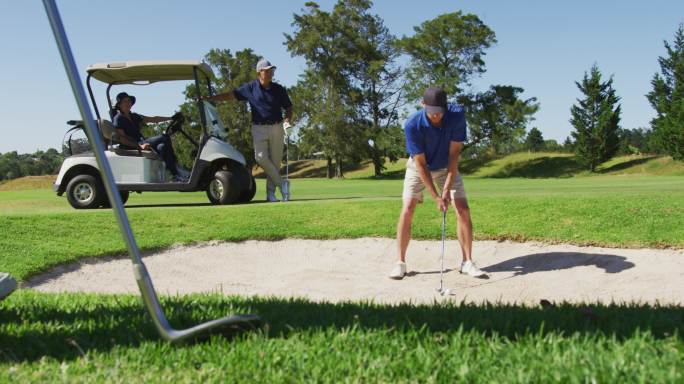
(667, 98)
(596, 119)
(535, 140)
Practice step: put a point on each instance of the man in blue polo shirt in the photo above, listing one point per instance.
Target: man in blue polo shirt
(267, 101)
(434, 139)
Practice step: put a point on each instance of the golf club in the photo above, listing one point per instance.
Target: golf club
(442, 291)
(142, 277)
(286, 182)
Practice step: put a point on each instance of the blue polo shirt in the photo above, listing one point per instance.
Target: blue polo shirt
(266, 104)
(434, 142)
(130, 127)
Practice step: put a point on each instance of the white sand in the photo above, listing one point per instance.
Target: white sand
(342, 270)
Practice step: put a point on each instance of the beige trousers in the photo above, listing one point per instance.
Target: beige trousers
(268, 152)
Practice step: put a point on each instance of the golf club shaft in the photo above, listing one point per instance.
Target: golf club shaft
(441, 270)
(140, 272)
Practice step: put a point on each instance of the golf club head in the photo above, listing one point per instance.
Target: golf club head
(7, 285)
(228, 327)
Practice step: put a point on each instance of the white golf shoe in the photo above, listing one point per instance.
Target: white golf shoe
(399, 271)
(469, 268)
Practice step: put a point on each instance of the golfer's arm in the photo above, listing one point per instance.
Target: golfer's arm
(225, 96)
(288, 114)
(425, 175)
(155, 119)
(125, 140)
(455, 148)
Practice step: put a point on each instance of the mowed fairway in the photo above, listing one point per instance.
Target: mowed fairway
(85, 337)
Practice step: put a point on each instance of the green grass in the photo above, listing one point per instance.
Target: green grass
(42, 230)
(109, 338)
(101, 338)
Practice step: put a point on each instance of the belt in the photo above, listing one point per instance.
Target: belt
(267, 122)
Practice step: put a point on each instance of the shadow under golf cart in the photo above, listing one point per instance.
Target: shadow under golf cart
(36, 325)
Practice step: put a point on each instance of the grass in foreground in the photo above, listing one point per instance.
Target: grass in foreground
(66, 337)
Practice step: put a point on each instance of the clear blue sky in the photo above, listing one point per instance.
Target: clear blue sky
(543, 46)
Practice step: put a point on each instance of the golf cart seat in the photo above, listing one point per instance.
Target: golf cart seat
(110, 136)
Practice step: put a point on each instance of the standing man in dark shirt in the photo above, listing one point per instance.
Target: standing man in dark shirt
(127, 125)
(267, 101)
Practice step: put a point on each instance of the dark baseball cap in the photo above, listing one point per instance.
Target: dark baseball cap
(121, 96)
(435, 100)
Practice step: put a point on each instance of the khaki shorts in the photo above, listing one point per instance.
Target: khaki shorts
(413, 185)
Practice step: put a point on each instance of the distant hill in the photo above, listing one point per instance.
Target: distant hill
(549, 164)
(28, 182)
(522, 164)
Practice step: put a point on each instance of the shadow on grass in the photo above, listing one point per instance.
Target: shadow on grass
(553, 261)
(35, 325)
(169, 205)
(542, 167)
(387, 175)
(626, 164)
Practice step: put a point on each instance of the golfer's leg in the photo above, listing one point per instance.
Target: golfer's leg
(263, 158)
(276, 136)
(464, 227)
(404, 226)
(163, 148)
(261, 154)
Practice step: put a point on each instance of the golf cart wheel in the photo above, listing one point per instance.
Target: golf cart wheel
(124, 198)
(224, 188)
(85, 192)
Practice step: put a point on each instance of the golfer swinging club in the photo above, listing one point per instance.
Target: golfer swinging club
(267, 100)
(434, 139)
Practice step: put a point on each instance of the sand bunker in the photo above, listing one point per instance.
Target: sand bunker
(341, 270)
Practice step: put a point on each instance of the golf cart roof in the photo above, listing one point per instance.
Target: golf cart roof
(128, 72)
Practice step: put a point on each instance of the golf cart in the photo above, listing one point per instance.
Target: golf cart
(218, 168)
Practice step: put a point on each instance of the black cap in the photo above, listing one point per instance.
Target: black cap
(122, 96)
(435, 100)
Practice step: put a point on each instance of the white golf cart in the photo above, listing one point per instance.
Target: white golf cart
(218, 168)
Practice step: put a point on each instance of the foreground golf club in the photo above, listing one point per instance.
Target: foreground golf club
(442, 291)
(226, 325)
(7, 285)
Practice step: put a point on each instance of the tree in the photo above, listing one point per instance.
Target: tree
(635, 141)
(352, 55)
(446, 51)
(568, 145)
(535, 140)
(232, 71)
(497, 119)
(667, 98)
(596, 119)
(326, 123)
(552, 146)
(14, 165)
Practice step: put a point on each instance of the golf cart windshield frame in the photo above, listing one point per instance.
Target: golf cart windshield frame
(196, 78)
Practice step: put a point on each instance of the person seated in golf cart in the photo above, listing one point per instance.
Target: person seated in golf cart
(128, 124)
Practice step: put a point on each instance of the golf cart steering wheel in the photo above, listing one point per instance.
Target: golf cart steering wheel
(176, 124)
